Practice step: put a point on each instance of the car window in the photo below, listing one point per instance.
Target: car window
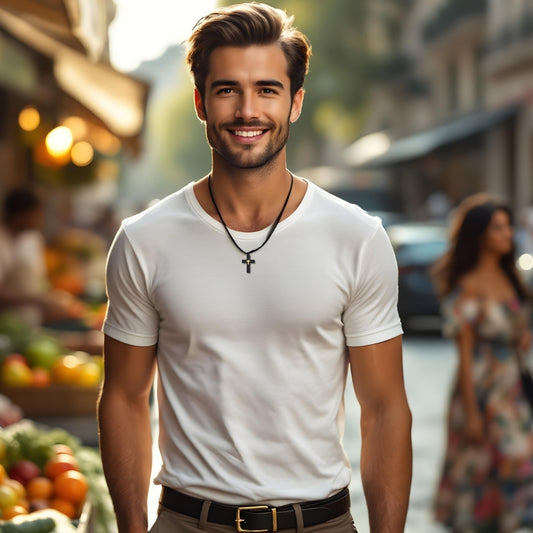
(420, 252)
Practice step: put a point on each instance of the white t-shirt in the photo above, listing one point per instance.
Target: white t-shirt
(252, 366)
(23, 270)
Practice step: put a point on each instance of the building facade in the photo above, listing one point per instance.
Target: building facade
(456, 102)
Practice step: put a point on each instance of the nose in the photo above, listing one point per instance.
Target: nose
(246, 106)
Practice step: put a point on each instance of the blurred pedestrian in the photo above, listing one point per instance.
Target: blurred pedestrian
(24, 286)
(486, 485)
(253, 290)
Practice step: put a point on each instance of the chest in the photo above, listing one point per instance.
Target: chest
(213, 286)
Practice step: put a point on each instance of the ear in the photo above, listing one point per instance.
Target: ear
(297, 104)
(199, 105)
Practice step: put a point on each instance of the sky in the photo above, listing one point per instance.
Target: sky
(143, 29)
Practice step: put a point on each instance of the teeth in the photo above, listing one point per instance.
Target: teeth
(247, 133)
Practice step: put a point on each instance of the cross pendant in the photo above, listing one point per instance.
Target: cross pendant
(248, 262)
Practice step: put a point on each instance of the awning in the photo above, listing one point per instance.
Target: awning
(421, 144)
(59, 29)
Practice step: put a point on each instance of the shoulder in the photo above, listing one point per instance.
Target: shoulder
(462, 306)
(158, 213)
(341, 212)
(469, 287)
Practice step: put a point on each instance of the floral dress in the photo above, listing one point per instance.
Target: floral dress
(488, 488)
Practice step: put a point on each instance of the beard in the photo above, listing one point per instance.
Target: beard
(247, 156)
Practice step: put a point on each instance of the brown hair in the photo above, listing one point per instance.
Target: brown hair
(468, 226)
(244, 25)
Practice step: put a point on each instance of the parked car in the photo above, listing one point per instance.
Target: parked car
(417, 245)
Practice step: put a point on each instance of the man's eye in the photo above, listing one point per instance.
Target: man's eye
(267, 90)
(226, 90)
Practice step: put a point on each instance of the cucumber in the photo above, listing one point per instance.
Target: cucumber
(29, 525)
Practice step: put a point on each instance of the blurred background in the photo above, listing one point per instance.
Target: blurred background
(411, 105)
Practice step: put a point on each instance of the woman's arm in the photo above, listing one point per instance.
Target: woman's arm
(125, 430)
(474, 430)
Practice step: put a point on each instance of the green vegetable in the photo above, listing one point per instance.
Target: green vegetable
(44, 521)
(24, 440)
(29, 525)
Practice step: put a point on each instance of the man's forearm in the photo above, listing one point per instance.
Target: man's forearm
(126, 448)
(386, 468)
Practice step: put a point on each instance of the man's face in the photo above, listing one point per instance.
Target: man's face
(247, 105)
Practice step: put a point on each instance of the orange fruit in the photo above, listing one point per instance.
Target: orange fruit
(71, 486)
(66, 369)
(89, 374)
(17, 486)
(24, 503)
(62, 448)
(40, 377)
(11, 512)
(64, 506)
(3, 473)
(58, 464)
(39, 488)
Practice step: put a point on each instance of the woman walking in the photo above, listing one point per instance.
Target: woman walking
(486, 484)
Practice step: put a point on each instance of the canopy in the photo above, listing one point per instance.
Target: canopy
(421, 144)
(73, 33)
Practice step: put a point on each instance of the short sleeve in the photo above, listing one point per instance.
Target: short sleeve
(372, 314)
(131, 317)
(457, 311)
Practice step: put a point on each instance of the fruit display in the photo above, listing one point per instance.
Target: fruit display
(43, 367)
(42, 376)
(44, 472)
(34, 358)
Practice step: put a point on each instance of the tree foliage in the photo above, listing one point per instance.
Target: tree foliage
(351, 40)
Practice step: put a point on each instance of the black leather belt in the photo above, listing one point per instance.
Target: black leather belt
(256, 518)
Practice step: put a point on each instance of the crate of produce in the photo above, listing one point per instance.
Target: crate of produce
(53, 399)
(50, 479)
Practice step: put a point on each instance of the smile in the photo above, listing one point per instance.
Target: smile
(246, 133)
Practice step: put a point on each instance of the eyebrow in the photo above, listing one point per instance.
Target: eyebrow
(259, 83)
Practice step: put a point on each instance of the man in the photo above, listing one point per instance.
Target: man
(24, 286)
(254, 291)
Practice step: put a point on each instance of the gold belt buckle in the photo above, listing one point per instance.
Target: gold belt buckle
(240, 520)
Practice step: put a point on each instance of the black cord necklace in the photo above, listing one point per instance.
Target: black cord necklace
(249, 261)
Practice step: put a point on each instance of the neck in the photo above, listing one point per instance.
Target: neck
(249, 199)
(252, 208)
(490, 261)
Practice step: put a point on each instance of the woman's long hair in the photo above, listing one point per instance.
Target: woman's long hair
(468, 227)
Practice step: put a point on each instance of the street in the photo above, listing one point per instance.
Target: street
(429, 364)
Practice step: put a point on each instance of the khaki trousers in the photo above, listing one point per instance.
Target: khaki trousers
(170, 522)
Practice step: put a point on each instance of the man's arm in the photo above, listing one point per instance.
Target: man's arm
(386, 452)
(125, 430)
